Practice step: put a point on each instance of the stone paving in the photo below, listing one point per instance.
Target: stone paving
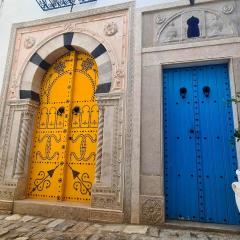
(31, 227)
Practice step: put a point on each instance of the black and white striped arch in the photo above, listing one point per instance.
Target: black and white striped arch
(42, 59)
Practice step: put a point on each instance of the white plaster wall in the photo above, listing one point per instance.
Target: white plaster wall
(16, 11)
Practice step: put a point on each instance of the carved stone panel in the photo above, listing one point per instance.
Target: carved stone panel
(108, 189)
(151, 210)
(211, 24)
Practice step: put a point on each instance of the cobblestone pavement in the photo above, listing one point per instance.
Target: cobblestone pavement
(31, 227)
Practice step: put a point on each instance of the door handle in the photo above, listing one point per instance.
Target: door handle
(60, 111)
(206, 91)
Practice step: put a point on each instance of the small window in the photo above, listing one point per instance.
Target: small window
(193, 27)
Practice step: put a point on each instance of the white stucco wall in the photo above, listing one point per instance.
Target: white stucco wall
(15, 11)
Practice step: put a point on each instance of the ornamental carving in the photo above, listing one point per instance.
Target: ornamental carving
(87, 64)
(228, 9)
(210, 24)
(29, 42)
(159, 19)
(110, 29)
(118, 76)
(13, 90)
(172, 32)
(60, 67)
(152, 211)
(215, 26)
(68, 27)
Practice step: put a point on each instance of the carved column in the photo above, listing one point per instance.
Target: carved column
(23, 142)
(107, 190)
(99, 143)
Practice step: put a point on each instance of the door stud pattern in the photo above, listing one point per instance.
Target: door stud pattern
(64, 143)
(196, 121)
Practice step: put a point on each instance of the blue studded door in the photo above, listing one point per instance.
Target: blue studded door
(199, 150)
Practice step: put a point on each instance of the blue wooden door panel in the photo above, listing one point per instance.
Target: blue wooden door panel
(179, 145)
(218, 148)
(199, 152)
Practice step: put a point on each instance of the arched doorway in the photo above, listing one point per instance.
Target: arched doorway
(63, 155)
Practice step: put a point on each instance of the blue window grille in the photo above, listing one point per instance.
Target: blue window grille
(193, 27)
(47, 5)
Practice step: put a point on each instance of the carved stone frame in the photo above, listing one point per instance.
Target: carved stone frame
(151, 61)
(111, 192)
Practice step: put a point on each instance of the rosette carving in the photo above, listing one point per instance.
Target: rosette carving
(29, 42)
(110, 29)
(228, 8)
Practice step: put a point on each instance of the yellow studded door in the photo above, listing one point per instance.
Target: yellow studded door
(64, 143)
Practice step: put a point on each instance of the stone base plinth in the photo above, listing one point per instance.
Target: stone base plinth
(66, 210)
(6, 207)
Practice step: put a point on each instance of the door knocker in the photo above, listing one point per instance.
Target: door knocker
(206, 91)
(76, 110)
(183, 92)
(60, 111)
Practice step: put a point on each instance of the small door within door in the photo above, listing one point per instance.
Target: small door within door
(64, 143)
(199, 148)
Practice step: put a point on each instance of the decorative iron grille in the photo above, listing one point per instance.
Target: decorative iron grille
(47, 5)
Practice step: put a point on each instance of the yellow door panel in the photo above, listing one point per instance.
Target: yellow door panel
(83, 131)
(50, 139)
(45, 180)
(79, 179)
(64, 143)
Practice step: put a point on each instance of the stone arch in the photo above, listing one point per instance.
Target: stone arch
(56, 47)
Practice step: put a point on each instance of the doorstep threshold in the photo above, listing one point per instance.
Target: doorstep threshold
(53, 203)
(199, 226)
(66, 210)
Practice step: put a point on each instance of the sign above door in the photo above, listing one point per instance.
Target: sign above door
(47, 5)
